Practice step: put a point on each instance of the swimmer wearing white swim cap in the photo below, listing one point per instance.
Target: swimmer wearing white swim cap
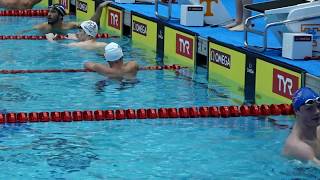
(85, 37)
(114, 67)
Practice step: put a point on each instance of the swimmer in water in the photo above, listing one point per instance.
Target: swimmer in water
(18, 4)
(56, 24)
(303, 142)
(115, 68)
(86, 37)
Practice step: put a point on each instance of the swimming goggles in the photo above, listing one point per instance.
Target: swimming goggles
(312, 101)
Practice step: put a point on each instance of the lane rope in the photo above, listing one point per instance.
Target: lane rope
(26, 12)
(122, 114)
(20, 71)
(59, 37)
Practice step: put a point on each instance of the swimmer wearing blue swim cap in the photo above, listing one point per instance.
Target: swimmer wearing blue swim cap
(303, 143)
(304, 96)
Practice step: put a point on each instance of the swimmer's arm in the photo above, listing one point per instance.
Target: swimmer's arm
(97, 14)
(28, 30)
(50, 37)
(301, 151)
(89, 65)
(74, 44)
(22, 4)
(99, 68)
(27, 4)
(71, 36)
(136, 66)
(72, 25)
(133, 66)
(316, 161)
(36, 27)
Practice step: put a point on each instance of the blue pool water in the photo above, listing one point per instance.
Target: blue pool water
(154, 149)
(204, 148)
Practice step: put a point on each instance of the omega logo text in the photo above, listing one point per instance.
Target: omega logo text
(139, 28)
(220, 58)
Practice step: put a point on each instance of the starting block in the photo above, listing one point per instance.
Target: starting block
(214, 11)
(191, 15)
(283, 16)
(296, 45)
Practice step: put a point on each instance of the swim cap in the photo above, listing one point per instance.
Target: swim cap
(90, 27)
(301, 95)
(59, 8)
(113, 52)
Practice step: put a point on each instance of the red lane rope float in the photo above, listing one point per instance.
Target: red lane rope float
(43, 71)
(59, 37)
(27, 12)
(121, 114)
(166, 67)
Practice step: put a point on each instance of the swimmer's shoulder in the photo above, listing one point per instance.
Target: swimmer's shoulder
(132, 64)
(298, 149)
(130, 67)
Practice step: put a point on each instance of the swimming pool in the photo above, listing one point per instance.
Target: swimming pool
(200, 148)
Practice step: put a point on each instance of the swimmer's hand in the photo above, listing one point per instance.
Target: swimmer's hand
(50, 37)
(97, 14)
(71, 36)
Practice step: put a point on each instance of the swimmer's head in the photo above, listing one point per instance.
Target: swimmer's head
(306, 104)
(90, 28)
(113, 52)
(304, 96)
(56, 13)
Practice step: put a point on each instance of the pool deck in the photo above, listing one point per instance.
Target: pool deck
(221, 34)
(253, 74)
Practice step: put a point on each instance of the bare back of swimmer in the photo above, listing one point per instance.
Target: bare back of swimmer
(116, 68)
(56, 24)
